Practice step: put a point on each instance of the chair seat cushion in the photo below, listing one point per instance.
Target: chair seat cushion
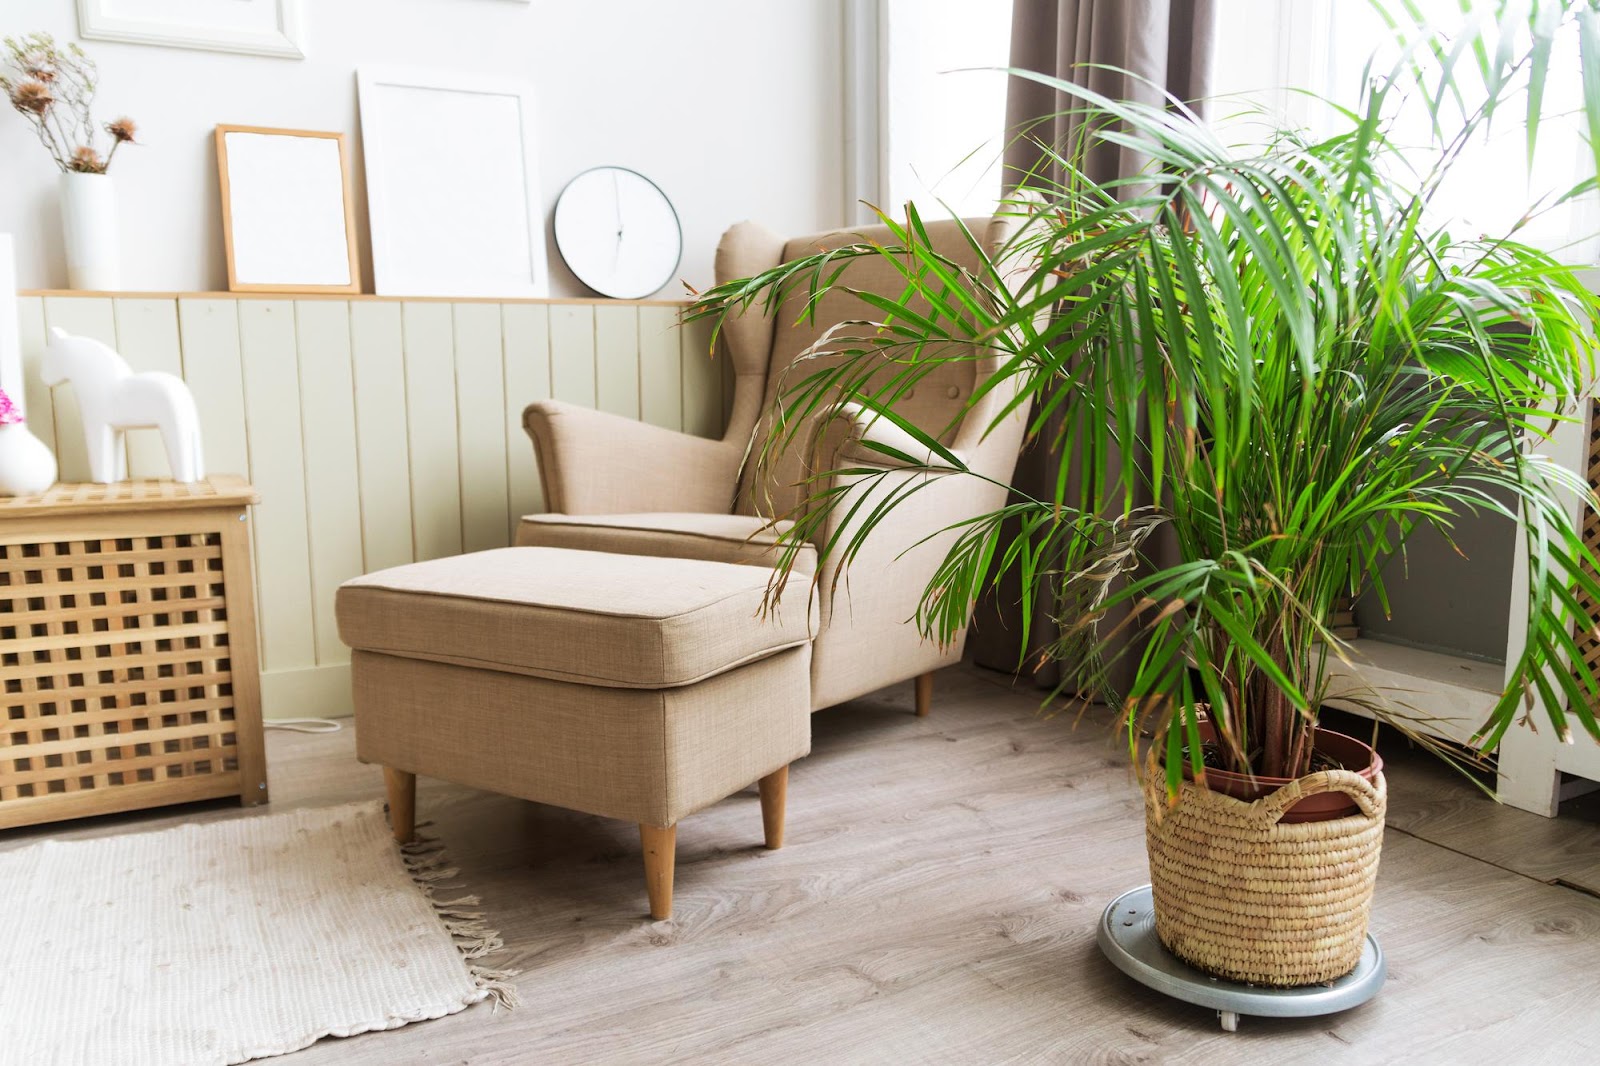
(725, 538)
(594, 618)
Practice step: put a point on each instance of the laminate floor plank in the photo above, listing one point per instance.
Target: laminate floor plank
(936, 901)
(1431, 801)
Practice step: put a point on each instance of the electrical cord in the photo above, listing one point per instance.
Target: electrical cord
(303, 725)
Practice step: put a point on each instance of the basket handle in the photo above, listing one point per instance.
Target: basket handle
(1349, 782)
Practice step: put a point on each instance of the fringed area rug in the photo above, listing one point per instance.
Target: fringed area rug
(231, 941)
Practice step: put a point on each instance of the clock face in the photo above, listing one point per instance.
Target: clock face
(618, 233)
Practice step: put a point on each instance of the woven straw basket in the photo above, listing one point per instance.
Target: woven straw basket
(1244, 896)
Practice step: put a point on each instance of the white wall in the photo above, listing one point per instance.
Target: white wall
(732, 107)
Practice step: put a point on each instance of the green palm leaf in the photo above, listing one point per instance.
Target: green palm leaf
(1275, 357)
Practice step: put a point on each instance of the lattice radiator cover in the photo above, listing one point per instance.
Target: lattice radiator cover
(120, 664)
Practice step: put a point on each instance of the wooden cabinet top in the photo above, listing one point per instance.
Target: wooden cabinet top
(131, 497)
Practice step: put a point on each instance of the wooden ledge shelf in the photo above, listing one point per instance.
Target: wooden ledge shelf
(354, 297)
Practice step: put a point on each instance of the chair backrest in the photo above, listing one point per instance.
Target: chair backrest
(765, 352)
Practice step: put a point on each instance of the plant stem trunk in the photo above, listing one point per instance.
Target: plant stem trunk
(1276, 717)
(1275, 733)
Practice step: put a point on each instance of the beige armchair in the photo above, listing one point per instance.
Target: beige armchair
(617, 485)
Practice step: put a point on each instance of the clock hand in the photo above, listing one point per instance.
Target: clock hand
(616, 200)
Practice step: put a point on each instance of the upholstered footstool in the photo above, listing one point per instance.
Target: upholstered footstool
(623, 686)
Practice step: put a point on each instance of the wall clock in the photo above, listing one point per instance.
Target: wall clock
(618, 233)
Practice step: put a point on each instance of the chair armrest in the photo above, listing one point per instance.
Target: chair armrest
(592, 462)
(891, 571)
(865, 429)
(931, 497)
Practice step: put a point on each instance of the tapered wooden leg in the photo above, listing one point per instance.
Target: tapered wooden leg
(402, 789)
(660, 855)
(924, 694)
(774, 791)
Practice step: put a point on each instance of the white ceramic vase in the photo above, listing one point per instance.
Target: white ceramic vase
(89, 226)
(26, 465)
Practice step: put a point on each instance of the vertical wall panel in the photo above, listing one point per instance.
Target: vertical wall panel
(333, 503)
(381, 439)
(85, 316)
(147, 337)
(429, 339)
(36, 397)
(208, 332)
(375, 431)
(277, 468)
(526, 330)
(616, 359)
(702, 382)
(572, 370)
(480, 397)
(208, 339)
(660, 367)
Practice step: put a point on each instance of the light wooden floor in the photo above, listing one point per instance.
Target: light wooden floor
(936, 902)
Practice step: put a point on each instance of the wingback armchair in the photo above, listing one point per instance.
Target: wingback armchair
(614, 484)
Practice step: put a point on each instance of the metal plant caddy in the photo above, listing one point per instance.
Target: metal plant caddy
(1128, 938)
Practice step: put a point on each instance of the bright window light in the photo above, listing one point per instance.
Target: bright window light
(1324, 47)
(944, 104)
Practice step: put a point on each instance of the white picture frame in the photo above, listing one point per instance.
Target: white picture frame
(453, 199)
(288, 217)
(253, 27)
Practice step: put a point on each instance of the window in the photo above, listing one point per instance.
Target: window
(936, 75)
(1322, 46)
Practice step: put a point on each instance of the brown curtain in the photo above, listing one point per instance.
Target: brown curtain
(1168, 44)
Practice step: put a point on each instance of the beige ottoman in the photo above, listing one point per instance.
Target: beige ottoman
(619, 685)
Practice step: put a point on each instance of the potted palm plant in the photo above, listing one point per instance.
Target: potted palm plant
(1280, 364)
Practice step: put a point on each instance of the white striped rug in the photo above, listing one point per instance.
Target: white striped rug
(230, 941)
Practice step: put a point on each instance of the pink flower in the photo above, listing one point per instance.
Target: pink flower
(9, 415)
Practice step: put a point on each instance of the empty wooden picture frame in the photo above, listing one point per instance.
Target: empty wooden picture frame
(452, 184)
(288, 221)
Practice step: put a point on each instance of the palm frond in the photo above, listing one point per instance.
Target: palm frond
(1277, 356)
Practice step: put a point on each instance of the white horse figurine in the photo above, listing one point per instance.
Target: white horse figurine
(112, 398)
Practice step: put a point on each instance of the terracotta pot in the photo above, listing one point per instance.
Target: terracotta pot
(1348, 752)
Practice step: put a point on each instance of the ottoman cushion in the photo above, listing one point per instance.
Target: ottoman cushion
(593, 618)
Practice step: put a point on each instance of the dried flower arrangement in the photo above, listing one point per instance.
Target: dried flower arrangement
(53, 88)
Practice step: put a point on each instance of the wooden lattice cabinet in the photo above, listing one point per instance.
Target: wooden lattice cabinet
(1587, 636)
(128, 658)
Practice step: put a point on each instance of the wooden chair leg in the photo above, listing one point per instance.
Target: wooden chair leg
(402, 789)
(660, 856)
(924, 694)
(774, 791)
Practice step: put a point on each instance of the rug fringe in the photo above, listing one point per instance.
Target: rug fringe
(425, 861)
